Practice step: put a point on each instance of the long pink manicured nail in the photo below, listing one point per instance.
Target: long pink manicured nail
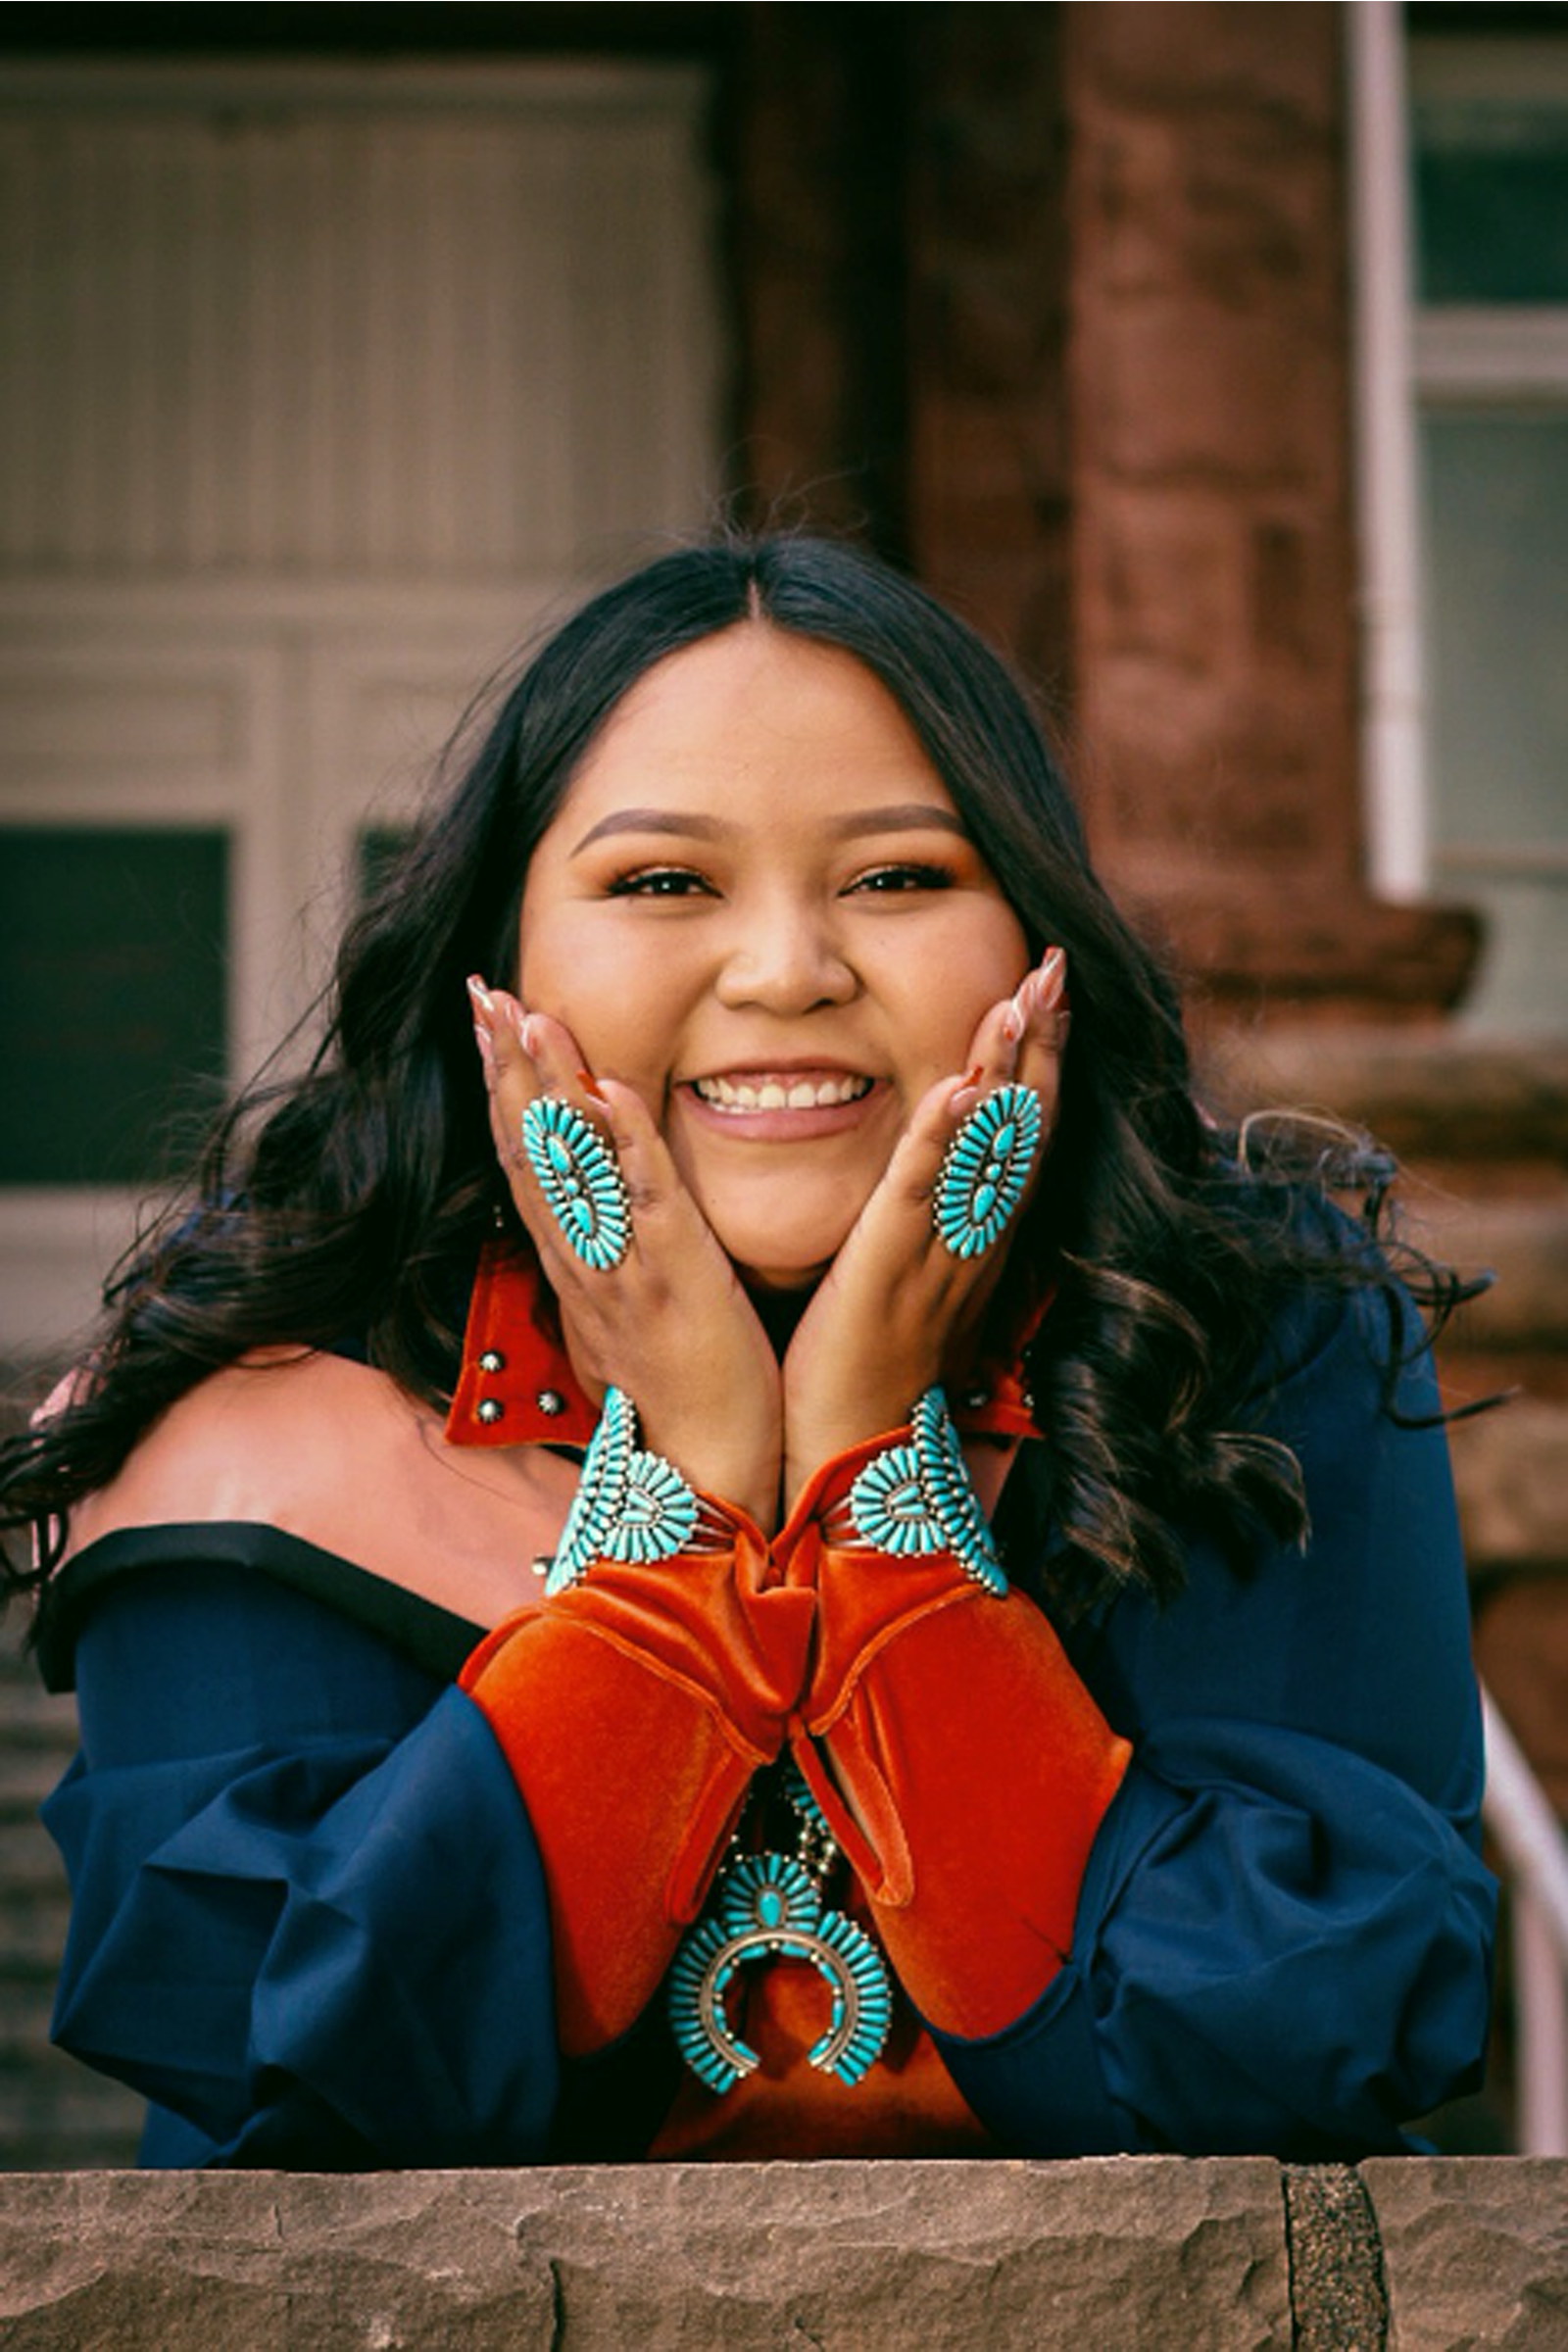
(966, 1093)
(1050, 980)
(481, 996)
(528, 1034)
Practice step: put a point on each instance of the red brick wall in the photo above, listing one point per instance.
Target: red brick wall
(1121, 435)
(1213, 560)
(990, 451)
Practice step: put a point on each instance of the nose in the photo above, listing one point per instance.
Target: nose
(784, 956)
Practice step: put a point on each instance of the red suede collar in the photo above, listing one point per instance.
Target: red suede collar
(516, 1385)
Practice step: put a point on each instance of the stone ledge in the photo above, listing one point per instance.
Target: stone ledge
(1475, 2251)
(1132, 2251)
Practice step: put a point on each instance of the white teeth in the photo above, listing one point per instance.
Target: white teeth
(779, 1094)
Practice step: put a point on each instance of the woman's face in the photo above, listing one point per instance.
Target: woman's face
(757, 906)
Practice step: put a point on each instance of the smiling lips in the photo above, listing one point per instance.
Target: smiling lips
(763, 1090)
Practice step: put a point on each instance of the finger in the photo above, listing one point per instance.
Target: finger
(1021, 1049)
(536, 1054)
(1042, 1001)
(647, 1166)
(895, 1227)
(509, 1074)
(554, 1059)
(556, 1067)
(482, 1005)
(532, 1054)
(509, 1068)
(1011, 1042)
(917, 1161)
(1021, 1040)
(529, 1057)
(993, 1058)
(1025, 1027)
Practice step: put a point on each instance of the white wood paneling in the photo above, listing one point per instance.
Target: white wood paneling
(318, 387)
(254, 326)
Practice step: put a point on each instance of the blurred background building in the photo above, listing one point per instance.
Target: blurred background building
(1211, 357)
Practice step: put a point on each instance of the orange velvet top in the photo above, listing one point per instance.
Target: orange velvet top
(636, 1709)
(313, 1924)
(517, 1387)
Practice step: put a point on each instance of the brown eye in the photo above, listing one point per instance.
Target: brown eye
(660, 882)
(884, 879)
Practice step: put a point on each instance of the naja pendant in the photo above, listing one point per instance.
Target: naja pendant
(770, 1909)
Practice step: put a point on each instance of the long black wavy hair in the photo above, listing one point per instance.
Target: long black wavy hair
(346, 1201)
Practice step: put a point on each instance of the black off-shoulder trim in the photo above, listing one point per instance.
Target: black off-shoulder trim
(431, 1637)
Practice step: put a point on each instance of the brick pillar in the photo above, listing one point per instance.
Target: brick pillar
(990, 490)
(814, 129)
(1212, 550)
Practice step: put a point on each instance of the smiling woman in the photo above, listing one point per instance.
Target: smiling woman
(760, 908)
(747, 1536)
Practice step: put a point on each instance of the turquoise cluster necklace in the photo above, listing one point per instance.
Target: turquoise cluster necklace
(771, 1906)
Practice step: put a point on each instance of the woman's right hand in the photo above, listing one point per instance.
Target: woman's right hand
(671, 1325)
(897, 1310)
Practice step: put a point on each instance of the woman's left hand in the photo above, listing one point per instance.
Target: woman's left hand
(897, 1310)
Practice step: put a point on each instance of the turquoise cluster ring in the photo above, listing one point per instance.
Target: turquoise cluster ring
(986, 1168)
(584, 1189)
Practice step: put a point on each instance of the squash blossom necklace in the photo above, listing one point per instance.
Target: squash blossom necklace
(771, 1906)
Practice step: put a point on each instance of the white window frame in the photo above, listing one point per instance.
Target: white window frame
(1410, 358)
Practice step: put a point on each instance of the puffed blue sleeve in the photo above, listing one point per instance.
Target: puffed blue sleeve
(1283, 1939)
(309, 1921)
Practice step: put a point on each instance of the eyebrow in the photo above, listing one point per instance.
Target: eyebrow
(902, 817)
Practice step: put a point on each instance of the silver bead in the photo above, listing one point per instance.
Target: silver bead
(491, 1409)
(491, 1360)
(974, 1398)
(551, 1403)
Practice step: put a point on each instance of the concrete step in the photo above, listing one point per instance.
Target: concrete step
(1431, 1094)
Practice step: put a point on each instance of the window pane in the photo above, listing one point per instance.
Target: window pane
(1521, 984)
(1496, 495)
(1491, 199)
(114, 977)
(1497, 504)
